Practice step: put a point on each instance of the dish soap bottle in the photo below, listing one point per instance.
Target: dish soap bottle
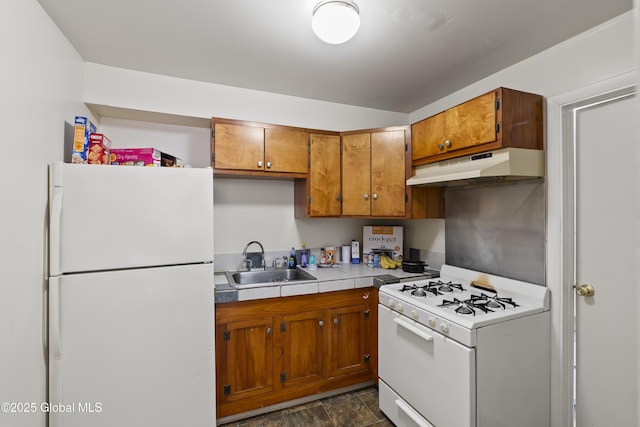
(303, 257)
(292, 258)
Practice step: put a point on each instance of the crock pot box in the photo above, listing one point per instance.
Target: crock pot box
(141, 157)
(382, 237)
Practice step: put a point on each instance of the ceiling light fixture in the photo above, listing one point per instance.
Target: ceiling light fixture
(335, 21)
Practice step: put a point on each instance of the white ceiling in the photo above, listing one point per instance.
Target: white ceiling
(407, 54)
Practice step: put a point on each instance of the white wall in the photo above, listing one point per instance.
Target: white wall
(136, 90)
(604, 51)
(41, 77)
(237, 202)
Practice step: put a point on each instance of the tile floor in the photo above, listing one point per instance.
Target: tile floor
(357, 408)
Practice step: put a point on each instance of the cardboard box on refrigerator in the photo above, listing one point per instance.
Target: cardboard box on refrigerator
(98, 152)
(383, 238)
(141, 157)
(82, 129)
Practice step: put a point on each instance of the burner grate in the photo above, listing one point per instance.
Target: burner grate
(433, 288)
(494, 301)
(468, 306)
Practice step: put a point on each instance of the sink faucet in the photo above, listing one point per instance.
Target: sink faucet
(247, 260)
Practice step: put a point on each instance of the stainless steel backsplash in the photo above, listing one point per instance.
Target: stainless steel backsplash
(497, 229)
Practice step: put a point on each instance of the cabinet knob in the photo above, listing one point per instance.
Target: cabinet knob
(335, 321)
(268, 164)
(366, 196)
(375, 196)
(269, 330)
(447, 143)
(260, 164)
(440, 147)
(320, 323)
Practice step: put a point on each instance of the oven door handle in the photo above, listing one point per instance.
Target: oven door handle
(425, 336)
(412, 414)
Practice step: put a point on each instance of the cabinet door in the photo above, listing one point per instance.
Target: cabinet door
(286, 150)
(348, 341)
(246, 368)
(472, 123)
(238, 147)
(303, 348)
(388, 173)
(356, 174)
(427, 136)
(324, 175)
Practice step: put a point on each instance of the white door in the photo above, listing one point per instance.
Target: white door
(110, 217)
(133, 348)
(605, 140)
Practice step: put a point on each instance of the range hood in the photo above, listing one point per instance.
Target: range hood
(502, 164)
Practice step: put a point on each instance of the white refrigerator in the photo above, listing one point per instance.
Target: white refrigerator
(131, 297)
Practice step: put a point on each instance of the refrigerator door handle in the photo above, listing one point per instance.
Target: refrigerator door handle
(55, 351)
(55, 221)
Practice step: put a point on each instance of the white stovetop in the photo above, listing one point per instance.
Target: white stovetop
(531, 298)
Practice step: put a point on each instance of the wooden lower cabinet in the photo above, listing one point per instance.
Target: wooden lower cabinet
(275, 350)
(247, 345)
(348, 346)
(302, 348)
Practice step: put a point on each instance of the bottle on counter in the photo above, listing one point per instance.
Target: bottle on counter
(303, 257)
(312, 262)
(292, 258)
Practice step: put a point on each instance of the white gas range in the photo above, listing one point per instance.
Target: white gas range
(466, 349)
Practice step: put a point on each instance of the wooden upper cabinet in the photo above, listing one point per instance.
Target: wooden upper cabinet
(356, 174)
(498, 119)
(427, 135)
(374, 174)
(238, 147)
(286, 150)
(256, 149)
(473, 123)
(324, 176)
(388, 176)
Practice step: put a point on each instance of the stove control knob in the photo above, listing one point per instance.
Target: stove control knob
(432, 322)
(414, 314)
(400, 308)
(391, 303)
(444, 328)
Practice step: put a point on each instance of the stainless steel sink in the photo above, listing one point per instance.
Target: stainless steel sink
(239, 278)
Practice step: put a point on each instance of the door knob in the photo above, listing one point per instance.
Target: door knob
(585, 290)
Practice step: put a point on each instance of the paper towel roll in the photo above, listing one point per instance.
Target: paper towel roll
(346, 254)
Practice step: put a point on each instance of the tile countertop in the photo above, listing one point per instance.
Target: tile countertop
(339, 277)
